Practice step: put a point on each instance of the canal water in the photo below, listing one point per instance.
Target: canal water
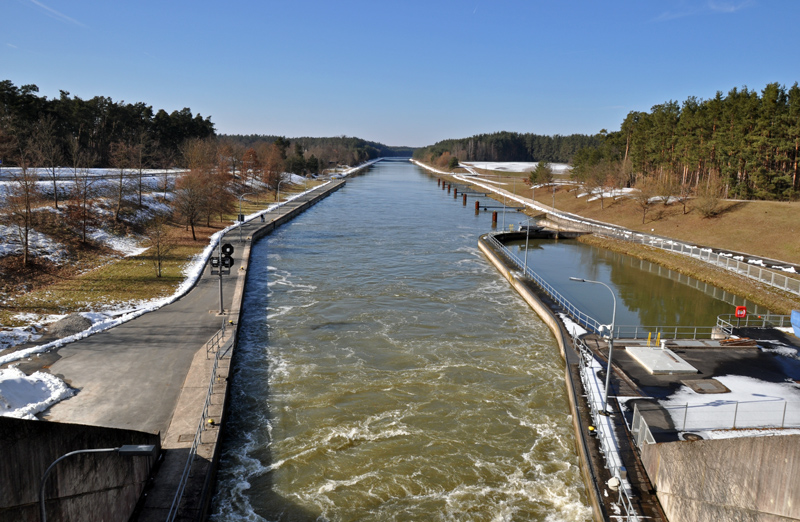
(387, 372)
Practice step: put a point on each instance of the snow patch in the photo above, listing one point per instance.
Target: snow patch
(23, 396)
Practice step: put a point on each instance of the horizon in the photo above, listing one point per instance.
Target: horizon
(404, 77)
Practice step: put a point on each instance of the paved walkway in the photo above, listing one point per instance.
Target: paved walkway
(131, 376)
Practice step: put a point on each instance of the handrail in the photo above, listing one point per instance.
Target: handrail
(592, 324)
(222, 351)
(606, 436)
(736, 264)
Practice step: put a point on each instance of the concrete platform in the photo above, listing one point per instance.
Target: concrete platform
(660, 361)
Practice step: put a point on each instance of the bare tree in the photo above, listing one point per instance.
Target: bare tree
(273, 167)
(709, 197)
(157, 232)
(83, 184)
(46, 151)
(646, 190)
(191, 198)
(121, 161)
(166, 160)
(21, 195)
(140, 153)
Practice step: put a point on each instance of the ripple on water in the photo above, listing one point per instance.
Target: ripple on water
(399, 377)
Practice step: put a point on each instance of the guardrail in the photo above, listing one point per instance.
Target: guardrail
(214, 344)
(608, 444)
(724, 260)
(720, 415)
(640, 430)
(727, 322)
(222, 350)
(592, 324)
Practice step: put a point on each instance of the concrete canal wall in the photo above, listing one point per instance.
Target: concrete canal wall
(208, 481)
(744, 478)
(588, 473)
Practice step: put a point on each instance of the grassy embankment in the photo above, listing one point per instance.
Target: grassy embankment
(763, 228)
(96, 278)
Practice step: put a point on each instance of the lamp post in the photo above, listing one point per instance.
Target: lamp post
(131, 450)
(279, 190)
(527, 236)
(610, 339)
(240, 216)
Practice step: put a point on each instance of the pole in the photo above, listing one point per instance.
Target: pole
(527, 235)
(219, 254)
(610, 338)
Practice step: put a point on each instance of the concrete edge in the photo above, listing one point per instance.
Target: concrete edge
(555, 326)
(235, 315)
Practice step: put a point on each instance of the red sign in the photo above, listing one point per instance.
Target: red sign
(741, 311)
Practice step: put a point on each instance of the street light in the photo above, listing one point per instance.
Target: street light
(527, 236)
(240, 216)
(279, 190)
(130, 450)
(610, 339)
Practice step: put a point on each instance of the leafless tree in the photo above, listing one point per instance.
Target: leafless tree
(121, 161)
(21, 195)
(46, 151)
(646, 191)
(191, 198)
(157, 232)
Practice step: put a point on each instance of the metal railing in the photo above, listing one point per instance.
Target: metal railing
(640, 430)
(215, 343)
(592, 324)
(727, 322)
(222, 350)
(606, 437)
(735, 415)
(721, 259)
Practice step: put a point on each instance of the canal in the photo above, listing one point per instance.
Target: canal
(386, 371)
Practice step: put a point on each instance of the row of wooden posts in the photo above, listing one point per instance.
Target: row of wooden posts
(448, 186)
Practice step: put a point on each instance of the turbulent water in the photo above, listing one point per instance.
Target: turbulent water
(385, 371)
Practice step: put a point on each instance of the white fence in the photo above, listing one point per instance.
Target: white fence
(727, 261)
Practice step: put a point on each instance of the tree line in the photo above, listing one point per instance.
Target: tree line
(70, 125)
(313, 155)
(507, 146)
(743, 145)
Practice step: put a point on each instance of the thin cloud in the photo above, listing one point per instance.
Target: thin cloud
(728, 7)
(712, 6)
(11, 45)
(49, 11)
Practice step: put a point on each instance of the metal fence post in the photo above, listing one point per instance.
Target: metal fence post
(735, 413)
(783, 420)
(685, 414)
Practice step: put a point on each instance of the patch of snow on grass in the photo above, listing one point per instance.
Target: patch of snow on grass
(39, 245)
(129, 246)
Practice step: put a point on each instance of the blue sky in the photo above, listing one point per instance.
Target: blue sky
(401, 73)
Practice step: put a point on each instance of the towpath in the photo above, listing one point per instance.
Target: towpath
(131, 376)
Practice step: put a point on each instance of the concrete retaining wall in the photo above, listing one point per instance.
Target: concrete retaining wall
(87, 487)
(751, 479)
(588, 474)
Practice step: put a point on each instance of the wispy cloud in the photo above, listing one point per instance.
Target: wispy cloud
(710, 6)
(49, 11)
(11, 45)
(728, 7)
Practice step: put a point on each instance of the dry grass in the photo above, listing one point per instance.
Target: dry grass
(763, 228)
(98, 279)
